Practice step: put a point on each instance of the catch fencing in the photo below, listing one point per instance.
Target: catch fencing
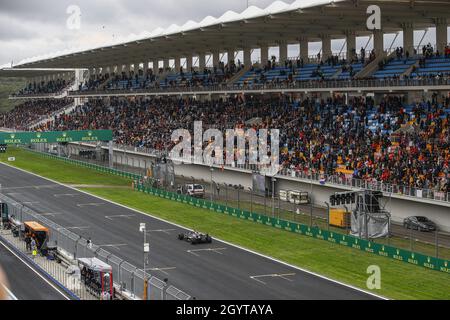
(127, 278)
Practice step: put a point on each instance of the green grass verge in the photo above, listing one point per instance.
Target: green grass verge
(395, 241)
(399, 280)
(59, 170)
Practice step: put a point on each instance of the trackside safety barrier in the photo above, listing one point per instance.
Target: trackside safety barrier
(314, 232)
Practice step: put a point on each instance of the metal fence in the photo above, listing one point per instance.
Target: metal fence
(127, 277)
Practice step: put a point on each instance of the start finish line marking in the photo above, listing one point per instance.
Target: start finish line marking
(275, 275)
(216, 250)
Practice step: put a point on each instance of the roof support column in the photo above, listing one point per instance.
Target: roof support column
(136, 67)
(378, 42)
(283, 51)
(145, 67)
(304, 49)
(326, 47)
(351, 44)
(216, 58)
(155, 64)
(201, 61)
(189, 63)
(441, 34)
(264, 54)
(247, 57)
(126, 68)
(230, 56)
(177, 64)
(408, 37)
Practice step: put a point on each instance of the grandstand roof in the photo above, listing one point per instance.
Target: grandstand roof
(309, 19)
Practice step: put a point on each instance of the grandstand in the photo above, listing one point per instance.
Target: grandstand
(413, 67)
(370, 118)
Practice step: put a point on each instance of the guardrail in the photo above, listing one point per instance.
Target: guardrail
(128, 278)
(314, 232)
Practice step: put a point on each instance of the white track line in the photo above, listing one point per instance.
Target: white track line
(282, 276)
(217, 239)
(9, 292)
(166, 231)
(129, 216)
(65, 195)
(41, 276)
(73, 228)
(216, 250)
(162, 270)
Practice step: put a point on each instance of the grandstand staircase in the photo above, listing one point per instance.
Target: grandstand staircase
(373, 67)
(161, 77)
(66, 110)
(239, 75)
(408, 72)
(103, 85)
(337, 74)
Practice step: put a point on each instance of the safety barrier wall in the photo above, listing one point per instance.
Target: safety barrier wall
(314, 232)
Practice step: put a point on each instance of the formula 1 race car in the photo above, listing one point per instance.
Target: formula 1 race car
(195, 237)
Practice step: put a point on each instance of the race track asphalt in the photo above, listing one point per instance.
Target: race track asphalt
(24, 283)
(222, 272)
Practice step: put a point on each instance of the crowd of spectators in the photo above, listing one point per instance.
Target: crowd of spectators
(132, 80)
(287, 76)
(407, 148)
(217, 75)
(30, 112)
(94, 82)
(45, 87)
(418, 157)
(447, 52)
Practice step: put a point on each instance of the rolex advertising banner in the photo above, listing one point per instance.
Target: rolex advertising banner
(55, 136)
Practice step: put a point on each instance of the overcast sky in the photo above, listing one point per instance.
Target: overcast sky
(32, 28)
